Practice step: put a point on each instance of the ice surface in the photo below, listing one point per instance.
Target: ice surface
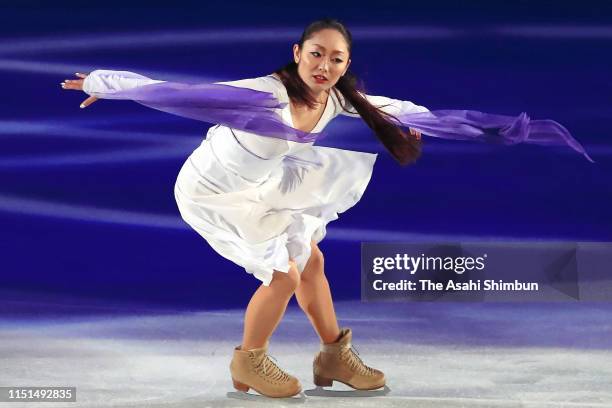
(434, 355)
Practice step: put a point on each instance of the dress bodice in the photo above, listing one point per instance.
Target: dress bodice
(250, 155)
(268, 147)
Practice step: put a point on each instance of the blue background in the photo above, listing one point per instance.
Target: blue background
(86, 203)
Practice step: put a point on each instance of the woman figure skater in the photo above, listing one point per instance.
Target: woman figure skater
(264, 202)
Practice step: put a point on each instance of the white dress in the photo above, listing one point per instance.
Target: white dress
(259, 201)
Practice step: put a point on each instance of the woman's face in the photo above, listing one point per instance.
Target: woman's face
(323, 59)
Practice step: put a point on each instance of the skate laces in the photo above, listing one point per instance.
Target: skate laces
(350, 355)
(272, 370)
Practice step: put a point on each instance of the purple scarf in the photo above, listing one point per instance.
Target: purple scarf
(255, 111)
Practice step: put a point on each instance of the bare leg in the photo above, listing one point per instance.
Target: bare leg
(314, 297)
(267, 307)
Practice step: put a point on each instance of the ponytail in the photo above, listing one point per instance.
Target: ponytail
(404, 148)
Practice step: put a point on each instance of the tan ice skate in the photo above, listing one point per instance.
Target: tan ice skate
(339, 362)
(254, 369)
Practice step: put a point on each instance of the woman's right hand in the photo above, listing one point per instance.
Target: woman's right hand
(77, 85)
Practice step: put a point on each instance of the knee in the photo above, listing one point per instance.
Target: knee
(287, 281)
(315, 265)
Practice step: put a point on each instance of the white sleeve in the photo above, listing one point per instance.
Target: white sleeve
(387, 105)
(101, 82)
(263, 84)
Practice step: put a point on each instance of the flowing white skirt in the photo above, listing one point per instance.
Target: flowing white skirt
(261, 213)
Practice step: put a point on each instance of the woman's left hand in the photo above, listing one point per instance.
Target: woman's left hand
(415, 133)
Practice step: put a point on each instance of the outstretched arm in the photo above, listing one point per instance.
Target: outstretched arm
(103, 84)
(251, 105)
(458, 124)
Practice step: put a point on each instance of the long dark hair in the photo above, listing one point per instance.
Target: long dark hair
(404, 147)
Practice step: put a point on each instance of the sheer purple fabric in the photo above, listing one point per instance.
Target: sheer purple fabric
(239, 108)
(256, 111)
(491, 128)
